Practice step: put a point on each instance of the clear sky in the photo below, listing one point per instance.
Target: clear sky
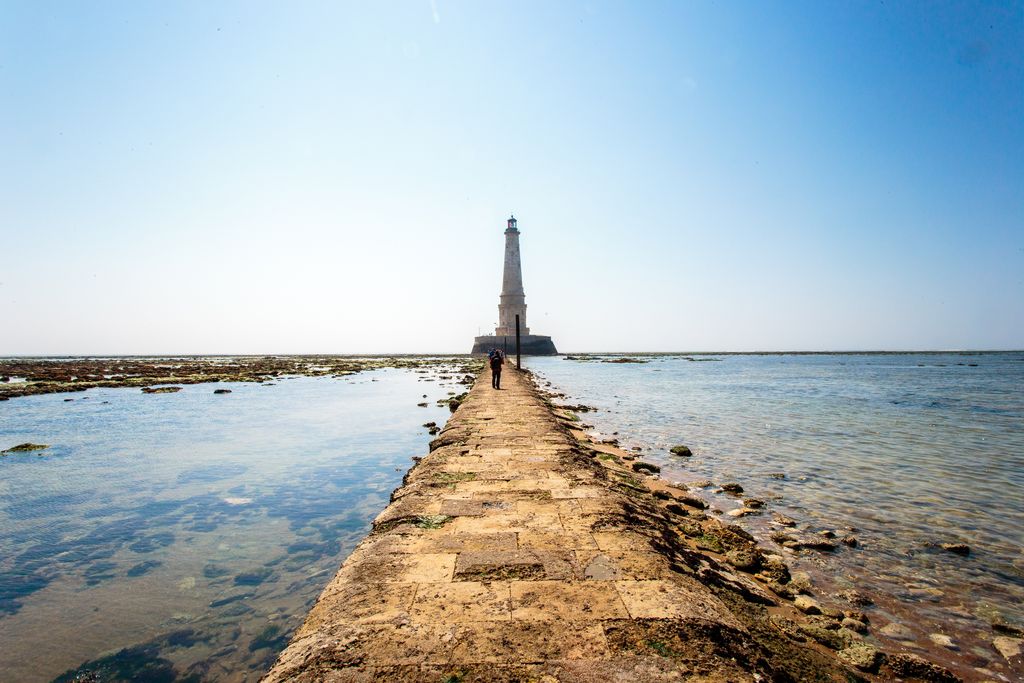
(198, 177)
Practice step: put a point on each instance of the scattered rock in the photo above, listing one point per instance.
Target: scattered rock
(26, 447)
(732, 487)
(801, 582)
(907, 665)
(692, 501)
(854, 625)
(777, 475)
(856, 598)
(744, 560)
(782, 519)
(422, 405)
(160, 390)
(896, 631)
(849, 541)
(1007, 629)
(743, 512)
(861, 656)
(681, 451)
(822, 545)
(1007, 647)
(833, 613)
(753, 502)
(943, 640)
(646, 467)
(958, 548)
(806, 605)
(702, 483)
(222, 391)
(828, 637)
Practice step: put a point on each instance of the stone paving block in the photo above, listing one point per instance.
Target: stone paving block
(528, 642)
(626, 541)
(402, 568)
(612, 565)
(519, 565)
(566, 601)
(368, 603)
(679, 599)
(462, 601)
(456, 507)
(579, 492)
(458, 542)
(548, 540)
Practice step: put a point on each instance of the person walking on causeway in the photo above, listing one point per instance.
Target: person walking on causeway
(496, 361)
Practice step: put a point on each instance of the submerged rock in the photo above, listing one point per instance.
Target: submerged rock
(732, 487)
(160, 390)
(681, 451)
(943, 640)
(896, 631)
(958, 548)
(26, 447)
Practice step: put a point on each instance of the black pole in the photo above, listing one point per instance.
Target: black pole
(519, 365)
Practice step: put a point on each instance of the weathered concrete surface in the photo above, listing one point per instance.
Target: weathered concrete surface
(511, 552)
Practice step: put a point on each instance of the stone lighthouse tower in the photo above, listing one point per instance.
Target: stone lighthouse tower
(511, 303)
(513, 300)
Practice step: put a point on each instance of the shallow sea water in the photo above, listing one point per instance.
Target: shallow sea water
(193, 529)
(909, 450)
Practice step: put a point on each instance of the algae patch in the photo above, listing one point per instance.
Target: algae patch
(432, 521)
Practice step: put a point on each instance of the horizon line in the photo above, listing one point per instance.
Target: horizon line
(846, 352)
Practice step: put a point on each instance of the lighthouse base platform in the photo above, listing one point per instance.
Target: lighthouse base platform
(530, 345)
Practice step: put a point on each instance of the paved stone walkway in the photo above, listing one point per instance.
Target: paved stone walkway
(509, 555)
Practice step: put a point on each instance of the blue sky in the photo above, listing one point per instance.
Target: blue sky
(333, 177)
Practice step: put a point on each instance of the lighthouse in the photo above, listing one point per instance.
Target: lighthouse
(512, 303)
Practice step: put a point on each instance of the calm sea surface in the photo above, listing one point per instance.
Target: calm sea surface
(909, 450)
(193, 529)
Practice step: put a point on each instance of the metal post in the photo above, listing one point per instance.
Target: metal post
(519, 365)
